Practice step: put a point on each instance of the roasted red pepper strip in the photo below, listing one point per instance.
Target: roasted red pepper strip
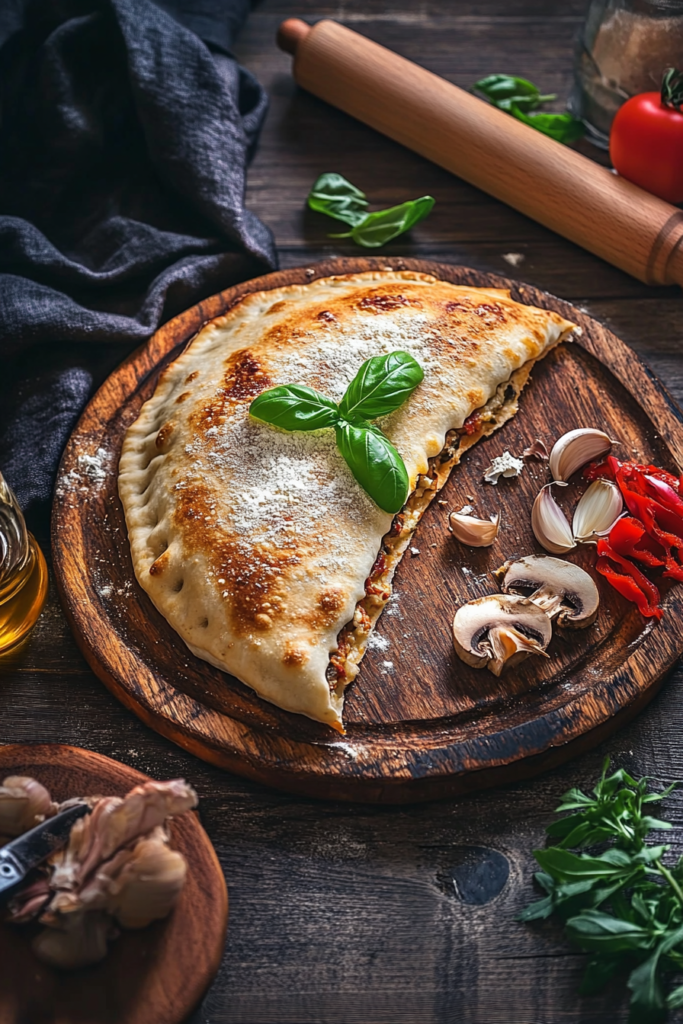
(630, 583)
(629, 539)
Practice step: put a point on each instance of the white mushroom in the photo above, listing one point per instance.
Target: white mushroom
(560, 588)
(499, 631)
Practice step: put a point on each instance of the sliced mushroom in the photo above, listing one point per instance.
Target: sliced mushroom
(499, 631)
(560, 588)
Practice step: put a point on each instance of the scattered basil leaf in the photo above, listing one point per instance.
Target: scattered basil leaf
(379, 228)
(334, 195)
(375, 464)
(519, 97)
(622, 904)
(561, 127)
(382, 384)
(294, 407)
(504, 90)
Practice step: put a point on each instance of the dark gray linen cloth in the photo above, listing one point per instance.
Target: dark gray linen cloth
(125, 131)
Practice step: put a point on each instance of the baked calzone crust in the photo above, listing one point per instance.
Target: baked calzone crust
(258, 546)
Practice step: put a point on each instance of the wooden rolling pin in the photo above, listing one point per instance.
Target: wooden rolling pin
(543, 179)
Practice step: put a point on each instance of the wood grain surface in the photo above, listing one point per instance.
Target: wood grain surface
(419, 723)
(343, 913)
(153, 975)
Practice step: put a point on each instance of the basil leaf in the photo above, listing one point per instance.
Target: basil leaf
(375, 464)
(380, 386)
(379, 228)
(338, 198)
(294, 407)
(502, 90)
(519, 97)
(561, 127)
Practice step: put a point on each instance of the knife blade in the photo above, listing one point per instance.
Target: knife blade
(32, 848)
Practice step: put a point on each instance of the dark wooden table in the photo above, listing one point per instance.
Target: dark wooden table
(343, 913)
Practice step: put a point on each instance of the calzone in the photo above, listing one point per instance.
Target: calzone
(258, 546)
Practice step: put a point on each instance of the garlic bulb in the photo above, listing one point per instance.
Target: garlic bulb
(597, 511)
(574, 449)
(551, 529)
(478, 533)
(24, 803)
(114, 823)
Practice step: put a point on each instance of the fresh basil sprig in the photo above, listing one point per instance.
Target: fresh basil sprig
(382, 384)
(334, 195)
(519, 97)
(621, 903)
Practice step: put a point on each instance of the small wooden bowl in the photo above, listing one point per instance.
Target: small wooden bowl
(156, 975)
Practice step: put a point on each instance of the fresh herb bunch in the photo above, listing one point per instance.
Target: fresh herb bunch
(520, 98)
(623, 904)
(335, 196)
(382, 384)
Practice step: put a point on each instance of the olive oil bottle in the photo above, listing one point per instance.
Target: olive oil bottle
(23, 573)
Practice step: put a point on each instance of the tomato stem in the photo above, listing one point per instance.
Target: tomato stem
(672, 89)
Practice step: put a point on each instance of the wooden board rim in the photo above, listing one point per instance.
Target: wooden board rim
(441, 769)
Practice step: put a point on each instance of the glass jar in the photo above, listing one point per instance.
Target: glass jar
(23, 573)
(624, 48)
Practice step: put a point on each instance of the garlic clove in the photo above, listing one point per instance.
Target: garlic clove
(597, 511)
(478, 533)
(551, 529)
(574, 449)
(24, 803)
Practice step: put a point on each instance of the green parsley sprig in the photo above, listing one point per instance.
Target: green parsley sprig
(619, 902)
(382, 384)
(335, 196)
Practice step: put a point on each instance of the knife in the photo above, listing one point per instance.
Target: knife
(32, 848)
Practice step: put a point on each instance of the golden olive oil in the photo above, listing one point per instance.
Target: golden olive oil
(23, 573)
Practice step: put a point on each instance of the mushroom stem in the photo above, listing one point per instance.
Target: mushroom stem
(510, 647)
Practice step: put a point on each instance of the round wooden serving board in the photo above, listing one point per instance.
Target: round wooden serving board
(420, 724)
(155, 975)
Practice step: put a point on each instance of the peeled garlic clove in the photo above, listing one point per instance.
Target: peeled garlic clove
(597, 511)
(551, 529)
(574, 449)
(478, 533)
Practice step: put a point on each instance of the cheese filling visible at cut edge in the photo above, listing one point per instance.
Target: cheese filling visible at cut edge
(353, 638)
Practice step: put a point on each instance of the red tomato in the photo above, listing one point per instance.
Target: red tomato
(646, 145)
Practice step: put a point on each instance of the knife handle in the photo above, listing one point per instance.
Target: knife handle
(541, 178)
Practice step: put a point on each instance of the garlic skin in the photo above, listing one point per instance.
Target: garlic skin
(597, 511)
(551, 529)
(24, 803)
(536, 450)
(503, 465)
(477, 533)
(574, 449)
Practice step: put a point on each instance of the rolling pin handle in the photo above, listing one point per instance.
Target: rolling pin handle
(290, 34)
